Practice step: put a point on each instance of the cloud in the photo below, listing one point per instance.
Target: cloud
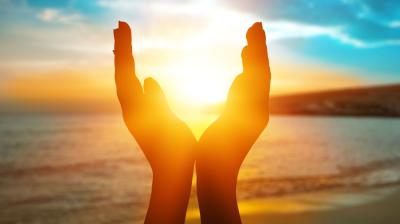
(52, 15)
(361, 24)
(395, 24)
(126, 4)
(280, 30)
(179, 24)
(369, 23)
(48, 15)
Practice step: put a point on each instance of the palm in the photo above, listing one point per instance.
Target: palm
(165, 140)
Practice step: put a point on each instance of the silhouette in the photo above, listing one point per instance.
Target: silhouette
(224, 145)
(170, 146)
(166, 141)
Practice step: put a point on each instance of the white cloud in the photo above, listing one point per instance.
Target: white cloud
(287, 30)
(199, 21)
(394, 24)
(48, 15)
(57, 16)
(119, 4)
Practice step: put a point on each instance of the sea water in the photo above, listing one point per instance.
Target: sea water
(88, 168)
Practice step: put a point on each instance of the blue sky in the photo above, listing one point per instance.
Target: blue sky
(312, 44)
(369, 31)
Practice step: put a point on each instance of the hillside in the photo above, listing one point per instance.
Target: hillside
(365, 101)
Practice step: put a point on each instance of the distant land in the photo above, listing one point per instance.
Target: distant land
(381, 101)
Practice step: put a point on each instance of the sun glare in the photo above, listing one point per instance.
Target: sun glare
(198, 87)
(198, 80)
(203, 51)
(203, 87)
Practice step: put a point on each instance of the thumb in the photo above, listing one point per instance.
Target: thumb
(154, 95)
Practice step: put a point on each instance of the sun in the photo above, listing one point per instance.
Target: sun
(197, 85)
(197, 92)
(203, 89)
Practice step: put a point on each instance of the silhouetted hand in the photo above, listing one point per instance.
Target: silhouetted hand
(225, 144)
(166, 141)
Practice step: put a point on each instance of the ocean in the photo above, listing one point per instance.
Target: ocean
(88, 168)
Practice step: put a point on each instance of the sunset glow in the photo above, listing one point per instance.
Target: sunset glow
(193, 49)
(213, 111)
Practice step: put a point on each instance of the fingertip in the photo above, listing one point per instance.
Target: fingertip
(150, 85)
(258, 25)
(154, 93)
(123, 25)
(149, 81)
(255, 34)
(125, 30)
(146, 81)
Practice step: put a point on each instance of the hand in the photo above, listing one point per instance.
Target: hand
(225, 144)
(166, 141)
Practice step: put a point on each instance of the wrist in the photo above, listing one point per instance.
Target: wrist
(217, 180)
(216, 191)
(173, 176)
(169, 196)
(209, 170)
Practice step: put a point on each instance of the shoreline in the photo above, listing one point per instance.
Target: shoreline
(373, 206)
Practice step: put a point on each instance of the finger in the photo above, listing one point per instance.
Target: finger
(123, 39)
(155, 96)
(256, 68)
(254, 55)
(236, 92)
(255, 35)
(129, 90)
(246, 60)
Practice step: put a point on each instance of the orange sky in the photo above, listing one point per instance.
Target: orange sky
(94, 90)
(63, 61)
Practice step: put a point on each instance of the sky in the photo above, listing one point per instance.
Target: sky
(57, 55)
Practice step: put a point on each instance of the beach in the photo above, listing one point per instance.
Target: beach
(383, 210)
(88, 169)
(372, 206)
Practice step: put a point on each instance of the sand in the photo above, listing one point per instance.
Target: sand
(376, 206)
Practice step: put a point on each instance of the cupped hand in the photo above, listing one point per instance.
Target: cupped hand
(224, 145)
(166, 141)
(227, 141)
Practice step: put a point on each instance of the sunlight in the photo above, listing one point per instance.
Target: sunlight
(201, 86)
(197, 90)
(197, 57)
